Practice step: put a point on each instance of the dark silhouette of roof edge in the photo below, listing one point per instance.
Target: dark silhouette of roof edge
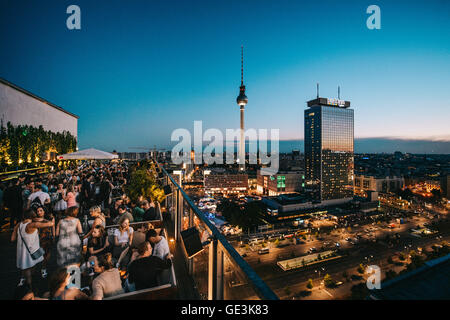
(36, 97)
(426, 267)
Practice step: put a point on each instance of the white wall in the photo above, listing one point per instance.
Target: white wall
(22, 109)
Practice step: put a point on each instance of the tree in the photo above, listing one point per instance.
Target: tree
(390, 274)
(24, 145)
(359, 291)
(328, 281)
(310, 284)
(253, 214)
(231, 212)
(143, 184)
(361, 268)
(416, 262)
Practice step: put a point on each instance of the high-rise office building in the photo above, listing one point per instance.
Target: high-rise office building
(329, 149)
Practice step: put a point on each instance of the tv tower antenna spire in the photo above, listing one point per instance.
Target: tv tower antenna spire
(242, 65)
(242, 102)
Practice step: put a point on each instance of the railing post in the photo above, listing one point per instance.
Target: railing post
(190, 262)
(219, 273)
(173, 209)
(215, 271)
(166, 182)
(178, 215)
(212, 270)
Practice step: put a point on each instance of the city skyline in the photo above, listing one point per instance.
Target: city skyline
(126, 80)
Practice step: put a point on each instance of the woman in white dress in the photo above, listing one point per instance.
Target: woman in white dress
(27, 235)
(61, 204)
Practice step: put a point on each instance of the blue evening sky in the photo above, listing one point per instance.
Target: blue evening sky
(139, 69)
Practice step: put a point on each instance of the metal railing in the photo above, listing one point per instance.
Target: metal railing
(224, 265)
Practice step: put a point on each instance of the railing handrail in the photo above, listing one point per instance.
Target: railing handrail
(261, 288)
(23, 170)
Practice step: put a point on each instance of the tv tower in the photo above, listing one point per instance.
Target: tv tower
(242, 101)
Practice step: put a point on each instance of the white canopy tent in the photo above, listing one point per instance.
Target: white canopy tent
(88, 154)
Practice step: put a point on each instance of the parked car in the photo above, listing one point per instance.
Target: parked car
(312, 249)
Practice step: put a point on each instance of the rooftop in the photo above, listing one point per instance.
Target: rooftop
(328, 102)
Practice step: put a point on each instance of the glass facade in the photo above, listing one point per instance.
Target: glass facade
(329, 144)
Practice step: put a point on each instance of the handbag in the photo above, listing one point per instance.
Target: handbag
(35, 255)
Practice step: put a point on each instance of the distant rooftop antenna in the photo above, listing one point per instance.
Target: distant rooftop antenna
(317, 90)
(339, 92)
(242, 65)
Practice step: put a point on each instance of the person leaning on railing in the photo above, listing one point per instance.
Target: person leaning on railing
(159, 244)
(144, 270)
(139, 236)
(150, 213)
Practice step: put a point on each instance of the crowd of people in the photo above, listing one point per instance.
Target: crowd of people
(83, 216)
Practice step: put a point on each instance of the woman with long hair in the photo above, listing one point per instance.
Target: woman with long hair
(46, 236)
(98, 242)
(97, 219)
(59, 290)
(123, 237)
(27, 236)
(108, 283)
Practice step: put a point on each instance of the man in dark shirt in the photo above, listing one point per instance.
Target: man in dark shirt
(86, 191)
(105, 190)
(150, 213)
(14, 202)
(144, 270)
